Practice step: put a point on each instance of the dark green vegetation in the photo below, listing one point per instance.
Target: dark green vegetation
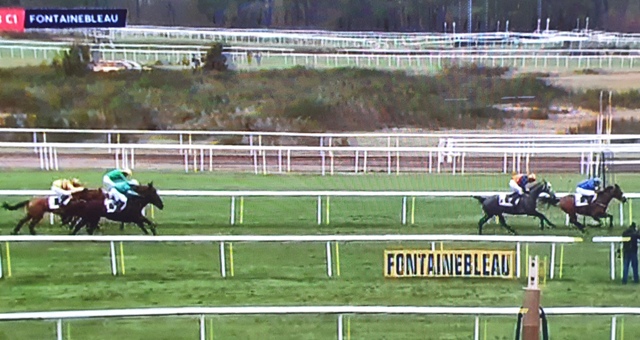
(77, 276)
(285, 100)
(379, 15)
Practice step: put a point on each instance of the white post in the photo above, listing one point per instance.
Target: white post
(518, 260)
(1, 273)
(504, 164)
(114, 268)
(186, 162)
(552, 262)
(356, 162)
(288, 160)
(280, 161)
(203, 332)
(430, 162)
(210, 159)
(329, 264)
(340, 328)
(59, 329)
(613, 261)
(389, 155)
(476, 329)
(108, 140)
(223, 270)
(51, 217)
(566, 220)
(264, 162)
(41, 156)
(323, 166)
(621, 214)
(364, 162)
(255, 162)
(319, 210)
(51, 161)
(233, 210)
(613, 328)
(462, 163)
(404, 210)
(55, 158)
(201, 159)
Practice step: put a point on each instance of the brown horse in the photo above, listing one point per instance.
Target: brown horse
(596, 209)
(38, 206)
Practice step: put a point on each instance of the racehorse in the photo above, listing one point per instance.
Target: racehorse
(90, 212)
(596, 209)
(38, 206)
(527, 205)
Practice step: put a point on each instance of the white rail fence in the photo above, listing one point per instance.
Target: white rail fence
(196, 155)
(515, 241)
(613, 240)
(407, 212)
(322, 60)
(339, 311)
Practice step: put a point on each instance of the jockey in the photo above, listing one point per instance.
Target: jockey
(117, 184)
(64, 188)
(588, 187)
(518, 183)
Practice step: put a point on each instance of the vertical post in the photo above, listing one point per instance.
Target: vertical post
(397, 156)
(264, 162)
(476, 329)
(322, 155)
(552, 262)
(288, 160)
(430, 162)
(59, 329)
(613, 261)
(203, 332)
(329, 263)
(255, 161)
(518, 260)
(280, 160)
(531, 320)
(613, 328)
(114, 268)
(223, 270)
(186, 161)
(621, 214)
(340, 328)
(319, 210)
(356, 162)
(404, 210)
(364, 162)
(389, 155)
(233, 210)
(210, 159)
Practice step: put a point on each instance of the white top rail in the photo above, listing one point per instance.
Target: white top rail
(516, 148)
(295, 193)
(246, 310)
(580, 137)
(291, 238)
(607, 239)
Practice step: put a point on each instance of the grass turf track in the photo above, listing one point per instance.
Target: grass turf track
(77, 276)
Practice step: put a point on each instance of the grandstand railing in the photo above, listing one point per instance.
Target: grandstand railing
(339, 311)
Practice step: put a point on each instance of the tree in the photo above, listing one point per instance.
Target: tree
(214, 60)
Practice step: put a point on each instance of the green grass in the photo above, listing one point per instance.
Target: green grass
(48, 276)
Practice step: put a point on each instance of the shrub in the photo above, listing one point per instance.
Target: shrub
(73, 62)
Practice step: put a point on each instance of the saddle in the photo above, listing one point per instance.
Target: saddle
(113, 206)
(508, 200)
(583, 201)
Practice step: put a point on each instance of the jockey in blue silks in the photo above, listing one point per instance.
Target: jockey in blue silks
(588, 187)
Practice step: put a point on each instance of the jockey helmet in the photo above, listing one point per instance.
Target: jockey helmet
(76, 182)
(127, 172)
(532, 177)
(597, 180)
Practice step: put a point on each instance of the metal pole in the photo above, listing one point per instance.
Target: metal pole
(553, 261)
(329, 264)
(114, 268)
(223, 270)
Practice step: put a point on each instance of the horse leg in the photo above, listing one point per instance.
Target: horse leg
(153, 225)
(610, 217)
(481, 223)
(573, 218)
(140, 225)
(121, 226)
(543, 219)
(78, 225)
(503, 223)
(32, 225)
(24, 220)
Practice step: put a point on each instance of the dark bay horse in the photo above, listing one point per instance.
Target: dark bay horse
(90, 212)
(527, 205)
(38, 206)
(596, 209)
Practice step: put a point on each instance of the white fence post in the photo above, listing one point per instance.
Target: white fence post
(223, 261)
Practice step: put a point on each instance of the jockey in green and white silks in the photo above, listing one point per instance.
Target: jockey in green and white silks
(117, 184)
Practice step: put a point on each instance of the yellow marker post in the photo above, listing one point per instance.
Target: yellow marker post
(338, 258)
(210, 329)
(68, 330)
(8, 250)
(441, 246)
(241, 209)
(561, 258)
(327, 210)
(231, 257)
(413, 210)
(544, 272)
(348, 328)
(153, 214)
(621, 328)
(122, 258)
(485, 330)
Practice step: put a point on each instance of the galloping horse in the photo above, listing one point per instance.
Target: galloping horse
(596, 209)
(525, 206)
(90, 212)
(38, 206)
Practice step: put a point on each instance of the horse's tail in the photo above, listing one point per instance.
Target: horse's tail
(480, 199)
(17, 206)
